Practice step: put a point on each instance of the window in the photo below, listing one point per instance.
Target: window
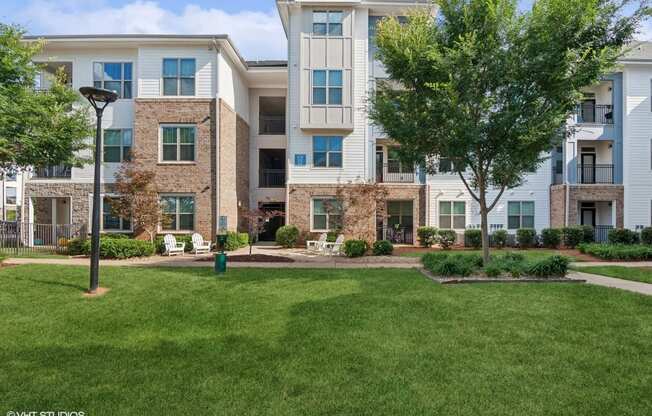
(12, 214)
(327, 87)
(327, 151)
(445, 165)
(179, 77)
(114, 76)
(11, 176)
(178, 213)
(178, 143)
(452, 215)
(394, 164)
(117, 145)
(399, 214)
(520, 214)
(10, 195)
(327, 23)
(271, 115)
(326, 214)
(111, 222)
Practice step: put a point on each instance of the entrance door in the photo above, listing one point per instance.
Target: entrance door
(588, 111)
(587, 171)
(269, 234)
(380, 161)
(587, 216)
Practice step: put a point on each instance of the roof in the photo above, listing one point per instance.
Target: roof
(267, 64)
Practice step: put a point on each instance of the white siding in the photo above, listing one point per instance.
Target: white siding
(232, 87)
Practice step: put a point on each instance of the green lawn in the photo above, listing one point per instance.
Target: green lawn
(637, 274)
(9, 253)
(318, 342)
(532, 254)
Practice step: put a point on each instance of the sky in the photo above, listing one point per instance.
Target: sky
(254, 25)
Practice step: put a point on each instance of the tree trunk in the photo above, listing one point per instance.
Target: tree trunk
(483, 225)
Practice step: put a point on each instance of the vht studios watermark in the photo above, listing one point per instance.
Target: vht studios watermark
(45, 413)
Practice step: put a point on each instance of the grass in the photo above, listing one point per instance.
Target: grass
(636, 274)
(531, 254)
(318, 342)
(9, 253)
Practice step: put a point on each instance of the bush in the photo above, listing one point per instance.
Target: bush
(331, 236)
(113, 248)
(551, 237)
(430, 260)
(446, 238)
(159, 243)
(76, 246)
(526, 237)
(287, 236)
(588, 233)
(447, 264)
(552, 266)
(473, 238)
(500, 238)
(427, 236)
(618, 251)
(355, 248)
(646, 235)
(116, 236)
(235, 240)
(493, 269)
(623, 236)
(572, 236)
(383, 248)
(512, 263)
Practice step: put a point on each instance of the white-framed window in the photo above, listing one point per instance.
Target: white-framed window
(327, 22)
(179, 212)
(179, 76)
(520, 214)
(326, 214)
(327, 151)
(327, 87)
(452, 215)
(117, 145)
(10, 195)
(114, 76)
(110, 221)
(178, 143)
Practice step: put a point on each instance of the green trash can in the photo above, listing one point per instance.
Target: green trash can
(220, 263)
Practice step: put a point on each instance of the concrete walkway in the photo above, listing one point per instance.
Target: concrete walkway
(594, 279)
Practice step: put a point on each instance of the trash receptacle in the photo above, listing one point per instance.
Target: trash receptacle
(220, 263)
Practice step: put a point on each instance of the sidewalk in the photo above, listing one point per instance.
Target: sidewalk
(637, 287)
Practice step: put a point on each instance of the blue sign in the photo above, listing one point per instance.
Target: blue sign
(223, 223)
(300, 160)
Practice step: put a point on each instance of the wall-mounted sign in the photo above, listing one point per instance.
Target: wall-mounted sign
(300, 160)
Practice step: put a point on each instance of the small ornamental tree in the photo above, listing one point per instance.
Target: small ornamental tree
(257, 222)
(138, 198)
(357, 204)
(489, 88)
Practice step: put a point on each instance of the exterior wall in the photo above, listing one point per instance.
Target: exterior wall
(601, 194)
(80, 196)
(232, 87)
(558, 206)
(192, 178)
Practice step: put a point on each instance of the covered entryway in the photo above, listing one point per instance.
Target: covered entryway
(275, 223)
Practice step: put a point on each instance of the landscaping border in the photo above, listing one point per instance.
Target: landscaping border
(471, 280)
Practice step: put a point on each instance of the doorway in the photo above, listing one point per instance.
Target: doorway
(587, 213)
(588, 110)
(380, 163)
(269, 234)
(587, 165)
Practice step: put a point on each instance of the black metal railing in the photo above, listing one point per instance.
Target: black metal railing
(393, 172)
(53, 172)
(272, 178)
(19, 238)
(601, 233)
(396, 235)
(272, 125)
(594, 114)
(595, 174)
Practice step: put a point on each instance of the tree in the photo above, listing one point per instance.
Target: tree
(257, 222)
(138, 198)
(489, 87)
(37, 128)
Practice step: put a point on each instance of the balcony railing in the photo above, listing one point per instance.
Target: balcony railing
(595, 174)
(401, 235)
(391, 173)
(595, 114)
(272, 125)
(271, 178)
(53, 172)
(601, 233)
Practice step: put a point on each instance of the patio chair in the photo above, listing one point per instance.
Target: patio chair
(172, 247)
(317, 245)
(199, 245)
(334, 249)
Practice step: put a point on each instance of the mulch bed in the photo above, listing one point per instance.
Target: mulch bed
(477, 279)
(254, 258)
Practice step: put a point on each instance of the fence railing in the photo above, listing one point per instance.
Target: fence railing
(595, 174)
(401, 235)
(272, 125)
(393, 172)
(17, 238)
(601, 233)
(595, 114)
(53, 172)
(271, 178)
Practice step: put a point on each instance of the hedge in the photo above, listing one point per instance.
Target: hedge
(235, 240)
(473, 238)
(618, 251)
(646, 235)
(287, 236)
(551, 237)
(112, 248)
(572, 236)
(446, 238)
(623, 236)
(499, 238)
(382, 248)
(355, 248)
(526, 237)
(427, 236)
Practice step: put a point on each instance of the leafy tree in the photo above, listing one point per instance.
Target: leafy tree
(37, 129)
(490, 87)
(257, 222)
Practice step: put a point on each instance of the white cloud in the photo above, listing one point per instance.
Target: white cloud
(257, 35)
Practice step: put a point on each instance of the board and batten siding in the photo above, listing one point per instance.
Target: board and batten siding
(637, 145)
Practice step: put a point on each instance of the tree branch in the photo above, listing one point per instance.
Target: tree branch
(493, 204)
(468, 187)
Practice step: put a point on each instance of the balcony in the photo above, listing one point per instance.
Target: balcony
(53, 172)
(589, 113)
(393, 172)
(272, 178)
(396, 235)
(595, 174)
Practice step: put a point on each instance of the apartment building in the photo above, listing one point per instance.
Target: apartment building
(223, 134)
(11, 185)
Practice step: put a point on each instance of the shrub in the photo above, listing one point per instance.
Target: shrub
(493, 269)
(512, 263)
(331, 236)
(473, 238)
(116, 236)
(447, 264)
(117, 248)
(287, 236)
(446, 238)
(623, 236)
(572, 236)
(618, 251)
(430, 260)
(500, 238)
(513, 256)
(646, 235)
(427, 236)
(588, 233)
(552, 266)
(76, 246)
(526, 237)
(159, 243)
(383, 248)
(355, 248)
(235, 240)
(551, 237)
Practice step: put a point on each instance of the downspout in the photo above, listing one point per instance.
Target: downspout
(288, 129)
(218, 184)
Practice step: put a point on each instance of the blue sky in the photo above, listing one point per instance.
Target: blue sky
(253, 24)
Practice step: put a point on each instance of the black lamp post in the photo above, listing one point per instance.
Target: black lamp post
(99, 99)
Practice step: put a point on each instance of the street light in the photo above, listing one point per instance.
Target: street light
(99, 99)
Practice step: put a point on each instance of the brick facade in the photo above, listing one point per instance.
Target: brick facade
(583, 193)
(79, 195)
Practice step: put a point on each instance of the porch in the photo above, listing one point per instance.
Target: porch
(601, 215)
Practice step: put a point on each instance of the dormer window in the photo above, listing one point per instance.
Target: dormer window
(327, 23)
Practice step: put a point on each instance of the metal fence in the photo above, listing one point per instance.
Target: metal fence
(19, 238)
(402, 235)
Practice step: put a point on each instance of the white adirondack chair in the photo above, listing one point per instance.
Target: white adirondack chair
(317, 245)
(335, 249)
(199, 245)
(172, 247)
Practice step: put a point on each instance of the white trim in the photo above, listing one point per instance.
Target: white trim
(178, 77)
(177, 126)
(122, 79)
(194, 212)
